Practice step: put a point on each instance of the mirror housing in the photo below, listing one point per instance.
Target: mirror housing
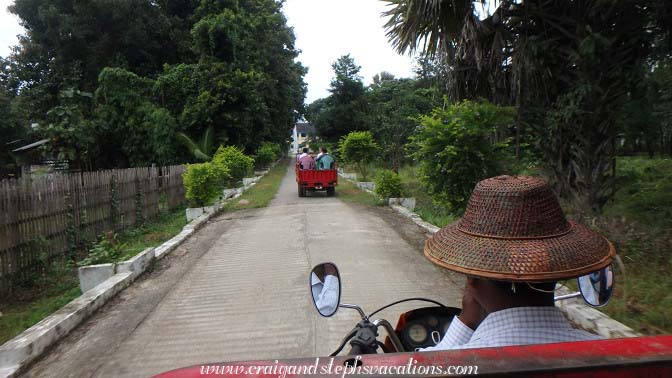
(325, 288)
(596, 287)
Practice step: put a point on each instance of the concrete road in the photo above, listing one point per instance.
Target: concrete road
(238, 290)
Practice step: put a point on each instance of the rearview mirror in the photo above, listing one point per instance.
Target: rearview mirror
(325, 288)
(596, 287)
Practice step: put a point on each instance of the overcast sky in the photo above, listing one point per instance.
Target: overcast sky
(327, 29)
(9, 28)
(324, 29)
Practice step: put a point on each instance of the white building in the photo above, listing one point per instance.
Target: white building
(302, 134)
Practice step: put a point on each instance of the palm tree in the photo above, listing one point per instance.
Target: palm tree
(567, 65)
(203, 149)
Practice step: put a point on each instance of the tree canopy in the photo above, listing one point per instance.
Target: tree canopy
(154, 70)
(569, 67)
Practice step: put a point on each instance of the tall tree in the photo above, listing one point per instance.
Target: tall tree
(566, 65)
(394, 106)
(158, 69)
(346, 108)
(11, 131)
(68, 43)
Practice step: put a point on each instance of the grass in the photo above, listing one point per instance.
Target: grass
(349, 192)
(639, 222)
(30, 304)
(153, 233)
(19, 317)
(60, 285)
(424, 205)
(261, 194)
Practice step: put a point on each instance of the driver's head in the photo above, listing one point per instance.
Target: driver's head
(514, 235)
(305, 150)
(495, 295)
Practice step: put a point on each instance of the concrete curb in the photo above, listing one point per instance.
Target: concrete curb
(20, 351)
(592, 319)
(350, 176)
(574, 309)
(407, 202)
(93, 275)
(26, 347)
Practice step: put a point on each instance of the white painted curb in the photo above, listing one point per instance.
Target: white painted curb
(20, 351)
(91, 276)
(24, 348)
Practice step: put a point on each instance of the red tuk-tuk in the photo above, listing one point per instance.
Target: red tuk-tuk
(629, 357)
(314, 180)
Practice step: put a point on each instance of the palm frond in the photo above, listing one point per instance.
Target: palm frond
(207, 140)
(193, 147)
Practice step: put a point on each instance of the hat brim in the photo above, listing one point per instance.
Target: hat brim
(576, 253)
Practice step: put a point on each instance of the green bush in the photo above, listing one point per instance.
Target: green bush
(456, 147)
(388, 184)
(237, 164)
(266, 154)
(204, 182)
(643, 191)
(358, 148)
(108, 249)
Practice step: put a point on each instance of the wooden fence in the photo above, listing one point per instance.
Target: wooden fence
(53, 215)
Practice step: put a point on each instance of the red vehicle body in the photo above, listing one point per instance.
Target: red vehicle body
(312, 180)
(630, 357)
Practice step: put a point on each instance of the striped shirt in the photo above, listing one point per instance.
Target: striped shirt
(513, 326)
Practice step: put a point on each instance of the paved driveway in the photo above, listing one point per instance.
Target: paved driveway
(238, 290)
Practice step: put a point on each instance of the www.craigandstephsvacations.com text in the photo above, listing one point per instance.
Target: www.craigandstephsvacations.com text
(281, 370)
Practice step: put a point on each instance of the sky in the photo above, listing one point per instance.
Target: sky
(9, 28)
(328, 29)
(324, 29)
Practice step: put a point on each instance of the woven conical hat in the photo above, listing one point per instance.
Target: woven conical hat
(514, 230)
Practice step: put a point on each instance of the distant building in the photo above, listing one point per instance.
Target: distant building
(302, 134)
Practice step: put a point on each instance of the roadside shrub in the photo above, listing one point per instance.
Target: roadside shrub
(388, 184)
(235, 162)
(204, 182)
(359, 148)
(456, 147)
(266, 154)
(108, 249)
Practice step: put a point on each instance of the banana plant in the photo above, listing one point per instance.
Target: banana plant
(203, 149)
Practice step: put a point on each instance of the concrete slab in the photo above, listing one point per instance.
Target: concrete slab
(592, 319)
(228, 193)
(247, 296)
(365, 185)
(91, 276)
(408, 203)
(138, 264)
(194, 212)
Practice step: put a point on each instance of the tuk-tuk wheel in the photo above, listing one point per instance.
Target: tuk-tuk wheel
(302, 191)
(331, 192)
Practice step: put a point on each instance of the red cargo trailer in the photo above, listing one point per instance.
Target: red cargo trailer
(312, 180)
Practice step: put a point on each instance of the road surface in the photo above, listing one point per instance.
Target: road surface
(238, 290)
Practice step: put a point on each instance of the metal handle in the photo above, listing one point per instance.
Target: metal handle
(396, 343)
(567, 296)
(354, 307)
